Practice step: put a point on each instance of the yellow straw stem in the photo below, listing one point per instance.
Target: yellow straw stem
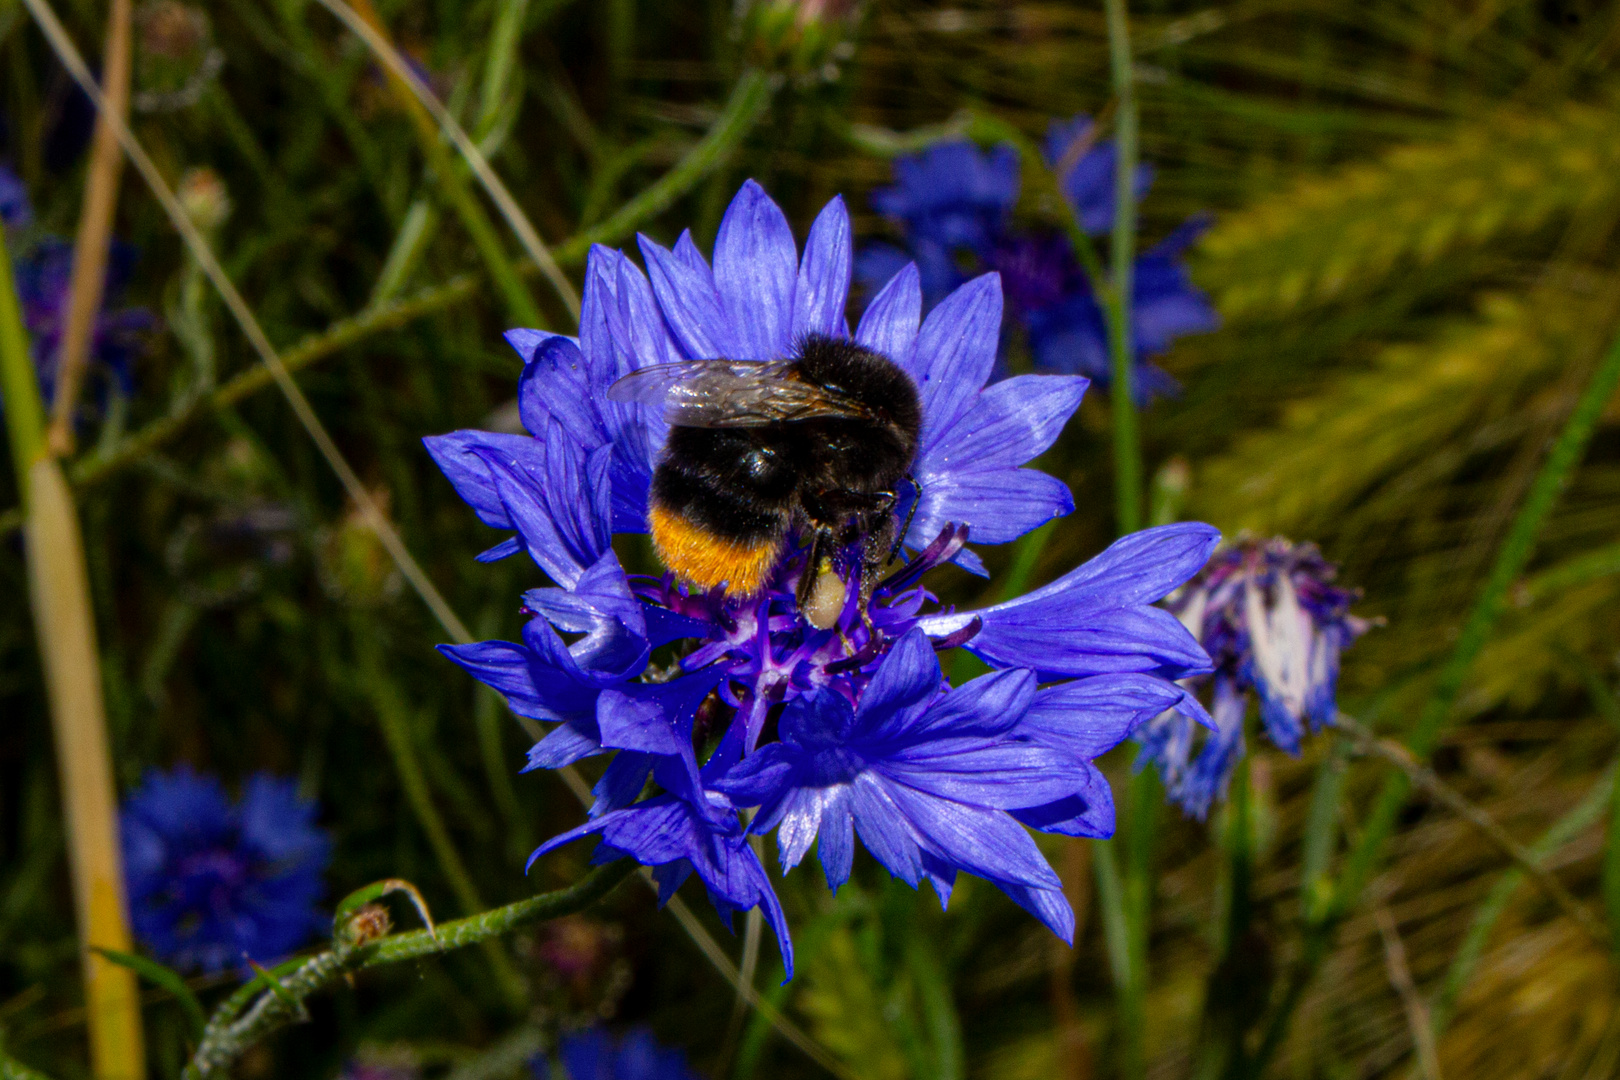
(60, 591)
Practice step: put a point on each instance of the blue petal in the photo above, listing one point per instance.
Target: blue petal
(562, 746)
(1048, 905)
(1088, 812)
(755, 271)
(1089, 717)
(686, 293)
(892, 319)
(956, 351)
(987, 705)
(638, 324)
(822, 287)
(556, 385)
(904, 685)
(455, 455)
(1095, 619)
(882, 828)
(981, 841)
(531, 687)
(998, 505)
(1013, 421)
(1000, 774)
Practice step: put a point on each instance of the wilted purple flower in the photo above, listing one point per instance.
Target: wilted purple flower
(1273, 622)
(212, 884)
(701, 730)
(594, 1054)
(16, 211)
(44, 277)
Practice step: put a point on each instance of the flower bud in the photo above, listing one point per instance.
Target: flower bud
(804, 38)
(204, 198)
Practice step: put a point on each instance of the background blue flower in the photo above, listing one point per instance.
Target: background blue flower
(212, 883)
(953, 205)
(593, 1053)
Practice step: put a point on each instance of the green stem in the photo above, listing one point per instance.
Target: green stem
(1128, 513)
(1116, 932)
(227, 1038)
(1142, 797)
(1510, 562)
(1121, 347)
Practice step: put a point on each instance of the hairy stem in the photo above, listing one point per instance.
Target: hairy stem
(227, 1037)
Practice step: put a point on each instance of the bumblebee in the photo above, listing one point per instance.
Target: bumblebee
(760, 452)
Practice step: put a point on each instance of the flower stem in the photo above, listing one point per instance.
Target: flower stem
(64, 623)
(1121, 347)
(1510, 562)
(1137, 894)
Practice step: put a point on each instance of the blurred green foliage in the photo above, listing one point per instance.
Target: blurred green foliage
(1415, 255)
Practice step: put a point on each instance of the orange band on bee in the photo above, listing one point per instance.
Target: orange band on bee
(704, 560)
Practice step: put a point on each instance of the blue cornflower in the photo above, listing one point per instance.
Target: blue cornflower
(211, 883)
(594, 1054)
(701, 729)
(1085, 171)
(1273, 622)
(1071, 333)
(953, 217)
(952, 199)
(44, 276)
(16, 211)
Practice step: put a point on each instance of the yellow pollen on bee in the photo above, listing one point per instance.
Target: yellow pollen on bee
(701, 559)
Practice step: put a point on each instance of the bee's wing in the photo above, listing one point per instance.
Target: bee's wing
(731, 393)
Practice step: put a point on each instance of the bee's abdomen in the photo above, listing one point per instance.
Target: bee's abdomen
(705, 559)
(720, 508)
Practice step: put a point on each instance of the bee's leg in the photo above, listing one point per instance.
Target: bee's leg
(911, 514)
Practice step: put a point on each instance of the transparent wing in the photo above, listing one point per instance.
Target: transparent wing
(732, 393)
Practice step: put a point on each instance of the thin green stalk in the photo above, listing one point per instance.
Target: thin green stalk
(1121, 347)
(227, 1037)
(1510, 562)
(1111, 899)
(1142, 796)
(1128, 513)
(25, 413)
(430, 117)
